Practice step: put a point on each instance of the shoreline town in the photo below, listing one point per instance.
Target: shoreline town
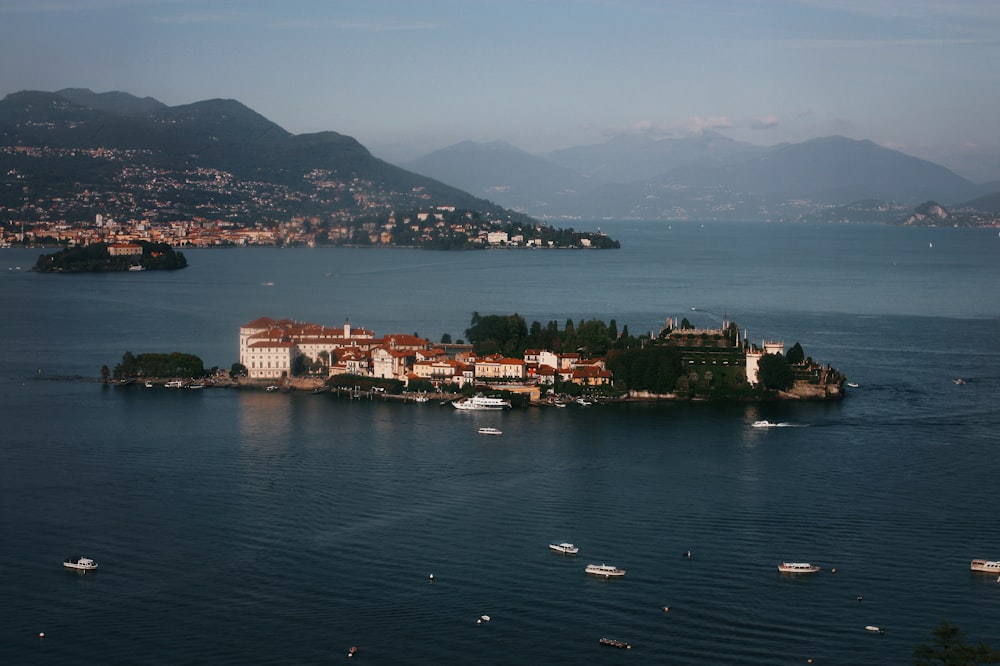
(308, 356)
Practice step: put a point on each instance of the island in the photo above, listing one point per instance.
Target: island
(525, 364)
(113, 257)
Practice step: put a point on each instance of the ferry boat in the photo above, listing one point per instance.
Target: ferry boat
(604, 570)
(797, 567)
(565, 548)
(490, 431)
(481, 402)
(80, 563)
(987, 566)
(175, 383)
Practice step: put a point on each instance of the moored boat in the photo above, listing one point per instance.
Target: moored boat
(605, 570)
(613, 642)
(565, 548)
(481, 402)
(797, 567)
(986, 566)
(80, 563)
(490, 431)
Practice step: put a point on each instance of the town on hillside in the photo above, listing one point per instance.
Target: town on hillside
(678, 362)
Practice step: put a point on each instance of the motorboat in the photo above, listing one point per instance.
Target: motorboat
(272, 388)
(490, 431)
(875, 630)
(986, 566)
(852, 384)
(764, 424)
(481, 402)
(797, 567)
(80, 563)
(565, 548)
(605, 570)
(175, 383)
(583, 403)
(613, 642)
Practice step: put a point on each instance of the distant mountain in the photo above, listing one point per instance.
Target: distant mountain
(115, 102)
(627, 159)
(85, 147)
(500, 172)
(707, 177)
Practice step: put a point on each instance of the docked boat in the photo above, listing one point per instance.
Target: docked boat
(797, 567)
(565, 548)
(149, 384)
(986, 566)
(613, 642)
(175, 383)
(80, 563)
(272, 388)
(605, 570)
(490, 431)
(481, 402)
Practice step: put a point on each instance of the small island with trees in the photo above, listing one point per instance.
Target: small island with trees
(114, 257)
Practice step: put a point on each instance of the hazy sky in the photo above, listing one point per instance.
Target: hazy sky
(408, 76)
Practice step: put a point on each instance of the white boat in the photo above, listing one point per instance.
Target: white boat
(852, 384)
(481, 402)
(175, 383)
(80, 563)
(872, 628)
(583, 403)
(604, 570)
(987, 566)
(149, 384)
(272, 388)
(797, 567)
(490, 431)
(764, 424)
(565, 548)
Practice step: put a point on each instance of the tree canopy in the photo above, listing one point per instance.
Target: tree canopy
(948, 648)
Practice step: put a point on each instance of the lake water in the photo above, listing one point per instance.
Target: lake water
(239, 527)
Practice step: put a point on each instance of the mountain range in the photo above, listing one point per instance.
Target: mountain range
(702, 178)
(76, 153)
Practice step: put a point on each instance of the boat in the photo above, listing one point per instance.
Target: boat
(959, 381)
(764, 424)
(583, 403)
(490, 431)
(485, 618)
(175, 383)
(797, 567)
(565, 548)
(272, 388)
(986, 566)
(149, 384)
(481, 402)
(352, 651)
(852, 384)
(875, 630)
(613, 642)
(604, 570)
(80, 563)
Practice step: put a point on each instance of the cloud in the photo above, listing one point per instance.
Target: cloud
(698, 124)
(764, 122)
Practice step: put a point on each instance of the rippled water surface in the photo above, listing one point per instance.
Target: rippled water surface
(241, 527)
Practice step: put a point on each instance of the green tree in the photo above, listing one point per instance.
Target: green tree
(795, 354)
(446, 339)
(237, 370)
(105, 374)
(775, 373)
(947, 648)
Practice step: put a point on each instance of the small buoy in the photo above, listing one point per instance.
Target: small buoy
(833, 570)
(41, 634)
(479, 621)
(809, 660)
(860, 598)
(666, 609)
(432, 576)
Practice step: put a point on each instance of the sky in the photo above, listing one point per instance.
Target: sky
(405, 77)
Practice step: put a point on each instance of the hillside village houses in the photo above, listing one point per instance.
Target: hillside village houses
(276, 349)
